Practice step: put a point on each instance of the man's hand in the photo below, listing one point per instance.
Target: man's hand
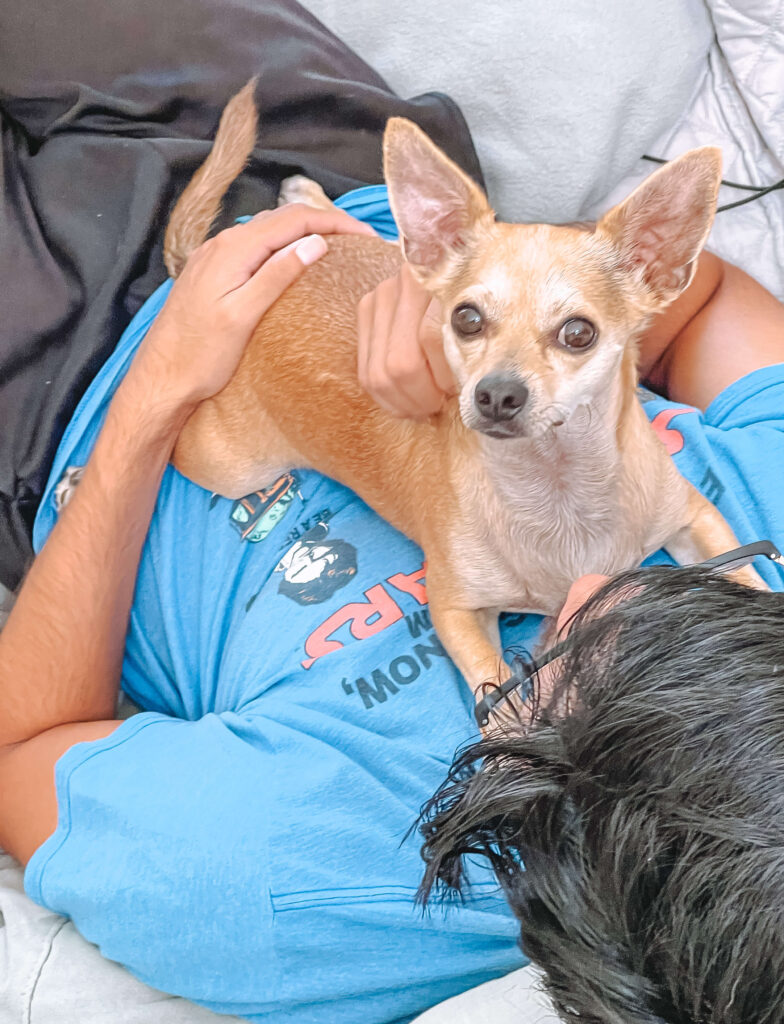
(401, 362)
(228, 284)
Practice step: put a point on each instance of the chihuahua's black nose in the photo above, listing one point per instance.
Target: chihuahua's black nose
(500, 397)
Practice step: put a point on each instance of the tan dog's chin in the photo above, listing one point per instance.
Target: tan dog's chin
(496, 431)
(538, 430)
(527, 430)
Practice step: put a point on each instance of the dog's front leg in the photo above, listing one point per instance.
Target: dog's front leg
(706, 535)
(472, 639)
(467, 637)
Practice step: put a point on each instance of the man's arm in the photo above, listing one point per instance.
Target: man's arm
(724, 326)
(61, 650)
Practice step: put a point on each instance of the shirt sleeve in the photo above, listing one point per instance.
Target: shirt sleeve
(734, 454)
(158, 825)
(755, 400)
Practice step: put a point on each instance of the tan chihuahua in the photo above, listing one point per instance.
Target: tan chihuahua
(544, 467)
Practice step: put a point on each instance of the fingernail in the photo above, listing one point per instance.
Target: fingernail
(310, 249)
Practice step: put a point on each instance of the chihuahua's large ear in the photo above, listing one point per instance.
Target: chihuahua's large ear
(437, 207)
(664, 223)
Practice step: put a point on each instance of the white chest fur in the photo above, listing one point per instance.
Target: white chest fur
(538, 514)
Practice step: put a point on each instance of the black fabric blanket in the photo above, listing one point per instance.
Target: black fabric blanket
(106, 109)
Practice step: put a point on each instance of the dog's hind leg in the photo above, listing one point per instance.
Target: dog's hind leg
(213, 451)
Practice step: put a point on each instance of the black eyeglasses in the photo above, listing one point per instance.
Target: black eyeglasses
(727, 562)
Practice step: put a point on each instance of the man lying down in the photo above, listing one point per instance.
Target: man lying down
(242, 841)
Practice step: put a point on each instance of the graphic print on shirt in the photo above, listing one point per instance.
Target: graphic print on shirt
(675, 441)
(670, 437)
(257, 514)
(381, 608)
(66, 487)
(314, 567)
(400, 598)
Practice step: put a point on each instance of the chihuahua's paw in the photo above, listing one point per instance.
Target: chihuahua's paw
(299, 189)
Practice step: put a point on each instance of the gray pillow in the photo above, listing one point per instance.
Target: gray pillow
(562, 96)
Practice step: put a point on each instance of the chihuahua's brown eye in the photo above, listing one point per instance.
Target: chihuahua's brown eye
(467, 320)
(577, 334)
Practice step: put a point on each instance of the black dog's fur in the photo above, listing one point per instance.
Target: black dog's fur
(647, 804)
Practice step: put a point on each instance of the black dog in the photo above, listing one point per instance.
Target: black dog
(646, 802)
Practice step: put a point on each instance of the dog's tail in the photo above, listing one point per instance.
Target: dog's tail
(199, 204)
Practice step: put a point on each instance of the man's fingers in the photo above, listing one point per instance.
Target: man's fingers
(377, 381)
(240, 251)
(413, 302)
(441, 371)
(392, 364)
(407, 358)
(420, 317)
(410, 386)
(365, 312)
(432, 341)
(416, 393)
(308, 249)
(250, 302)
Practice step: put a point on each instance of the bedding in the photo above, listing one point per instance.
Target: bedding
(106, 109)
(50, 975)
(561, 97)
(738, 105)
(559, 142)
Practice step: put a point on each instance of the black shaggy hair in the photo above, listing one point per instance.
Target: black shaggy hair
(636, 820)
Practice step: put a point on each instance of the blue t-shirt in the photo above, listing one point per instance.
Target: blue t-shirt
(242, 841)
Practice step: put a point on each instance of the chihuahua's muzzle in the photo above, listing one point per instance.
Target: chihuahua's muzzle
(499, 398)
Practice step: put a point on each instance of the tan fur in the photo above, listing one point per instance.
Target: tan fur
(505, 524)
(202, 198)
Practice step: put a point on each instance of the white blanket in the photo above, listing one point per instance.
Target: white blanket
(564, 97)
(561, 96)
